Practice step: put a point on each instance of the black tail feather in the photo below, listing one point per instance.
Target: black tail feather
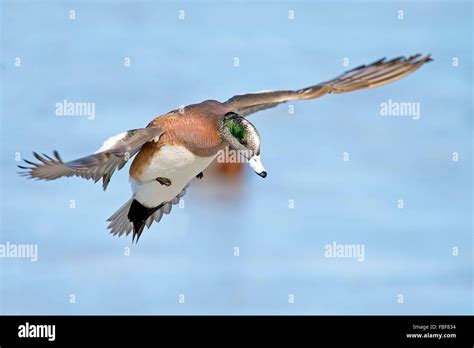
(138, 214)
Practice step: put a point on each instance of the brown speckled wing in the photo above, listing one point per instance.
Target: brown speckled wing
(376, 74)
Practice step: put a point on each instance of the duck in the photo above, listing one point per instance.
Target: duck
(176, 147)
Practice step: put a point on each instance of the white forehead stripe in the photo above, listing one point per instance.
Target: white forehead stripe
(256, 164)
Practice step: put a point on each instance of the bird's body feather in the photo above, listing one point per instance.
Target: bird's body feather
(173, 162)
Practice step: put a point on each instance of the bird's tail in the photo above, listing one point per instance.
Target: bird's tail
(119, 222)
(140, 216)
(133, 216)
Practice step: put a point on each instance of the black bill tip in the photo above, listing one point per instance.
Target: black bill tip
(263, 174)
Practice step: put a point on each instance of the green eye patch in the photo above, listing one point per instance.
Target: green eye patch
(237, 130)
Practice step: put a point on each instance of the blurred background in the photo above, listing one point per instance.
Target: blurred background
(242, 244)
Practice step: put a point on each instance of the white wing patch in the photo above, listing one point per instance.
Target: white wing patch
(265, 91)
(111, 142)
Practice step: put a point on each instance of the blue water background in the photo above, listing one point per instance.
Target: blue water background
(177, 62)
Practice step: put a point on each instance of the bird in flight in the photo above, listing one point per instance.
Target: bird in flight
(177, 146)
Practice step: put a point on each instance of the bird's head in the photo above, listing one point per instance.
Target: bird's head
(243, 137)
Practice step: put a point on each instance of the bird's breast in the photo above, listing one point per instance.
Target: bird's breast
(174, 162)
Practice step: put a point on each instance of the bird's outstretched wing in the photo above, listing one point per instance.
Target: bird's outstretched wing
(115, 152)
(376, 74)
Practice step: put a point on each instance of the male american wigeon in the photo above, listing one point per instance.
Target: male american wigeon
(176, 147)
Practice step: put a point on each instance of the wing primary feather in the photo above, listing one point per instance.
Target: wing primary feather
(378, 73)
